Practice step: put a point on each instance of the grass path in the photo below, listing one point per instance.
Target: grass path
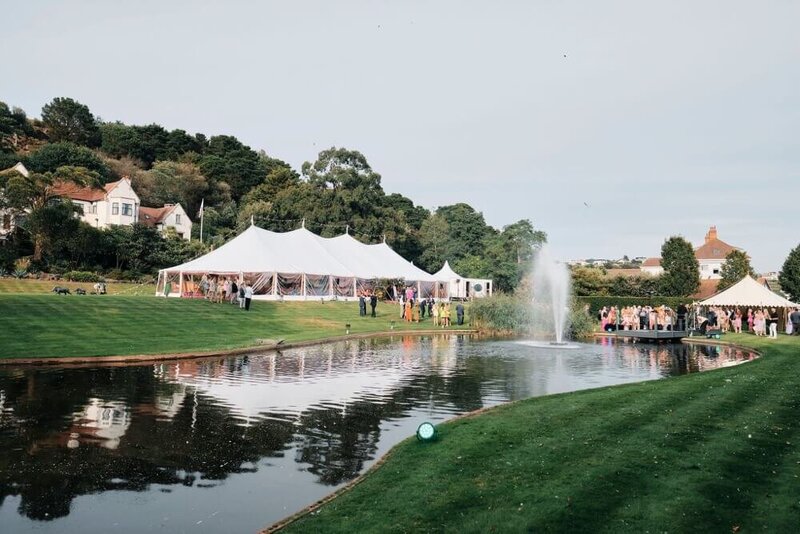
(711, 452)
(49, 325)
(25, 285)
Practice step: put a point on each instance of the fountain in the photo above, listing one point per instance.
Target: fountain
(551, 289)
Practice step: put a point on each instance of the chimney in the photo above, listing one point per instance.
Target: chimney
(712, 234)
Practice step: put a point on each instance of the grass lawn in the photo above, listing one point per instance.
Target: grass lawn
(711, 452)
(25, 285)
(50, 325)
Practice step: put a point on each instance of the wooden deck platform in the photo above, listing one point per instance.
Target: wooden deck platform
(651, 335)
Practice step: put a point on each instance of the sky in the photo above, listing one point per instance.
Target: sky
(610, 125)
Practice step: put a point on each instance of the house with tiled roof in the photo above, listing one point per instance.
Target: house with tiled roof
(710, 255)
(168, 216)
(116, 203)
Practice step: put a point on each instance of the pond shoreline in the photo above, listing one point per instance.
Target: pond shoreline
(312, 508)
(266, 347)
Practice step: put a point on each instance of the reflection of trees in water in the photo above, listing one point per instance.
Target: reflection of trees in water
(199, 439)
(38, 465)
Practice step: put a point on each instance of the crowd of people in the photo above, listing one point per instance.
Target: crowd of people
(642, 318)
(760, 321)
(414, 309)
(220, 289)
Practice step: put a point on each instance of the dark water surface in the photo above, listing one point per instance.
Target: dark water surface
(235, 444)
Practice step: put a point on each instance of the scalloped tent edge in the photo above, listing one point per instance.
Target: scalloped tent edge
(297, 265)
(748, 292)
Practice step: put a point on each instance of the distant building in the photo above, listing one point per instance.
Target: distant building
(710, 255)
(168, 216)
(114, 204)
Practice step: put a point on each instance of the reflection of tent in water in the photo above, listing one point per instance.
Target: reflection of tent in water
(296, 264)
(294, 395)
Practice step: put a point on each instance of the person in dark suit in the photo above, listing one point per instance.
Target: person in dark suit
(373, 301)
(460, 313)
(362, 305)
(682, 311)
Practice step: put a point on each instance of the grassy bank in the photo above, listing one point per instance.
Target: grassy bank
(25, 285)
(712, 452)
(49, 325)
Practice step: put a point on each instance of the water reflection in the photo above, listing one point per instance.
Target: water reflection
(286, 428)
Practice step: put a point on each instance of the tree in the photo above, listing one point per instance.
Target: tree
(14, 127)
(50, 224)
(174, 182)
(33, 194)
(68, 120)
(681, 276)
(588, 281)
(789, 276)
(736, 267)
(467, 230)
(434, 239)
(523, 239)
(54, 155)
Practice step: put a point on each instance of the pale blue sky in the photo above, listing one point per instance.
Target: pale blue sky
(664, 117)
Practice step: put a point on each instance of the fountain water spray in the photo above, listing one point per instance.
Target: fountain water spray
(551, 289)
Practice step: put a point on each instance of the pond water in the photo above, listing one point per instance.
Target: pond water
(238, 443)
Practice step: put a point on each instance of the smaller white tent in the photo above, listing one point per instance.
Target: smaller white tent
(748, 292)
(461, 287)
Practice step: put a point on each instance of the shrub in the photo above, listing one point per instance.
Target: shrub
(81, 276)
(501, 314)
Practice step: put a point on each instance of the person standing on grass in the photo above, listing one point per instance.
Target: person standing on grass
(794, 318)
(373, 301)
(772, 320)
(460, 313)
(422, 305)
(241, 295)
(234, 292)
(435, 315)
(362, 305)
(248, 296)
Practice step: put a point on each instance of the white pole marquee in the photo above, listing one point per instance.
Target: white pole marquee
(748, 292)
(298, 265)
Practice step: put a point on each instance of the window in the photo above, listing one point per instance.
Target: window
(177, 218)
(94, 207)
(127, 209)
(115, 208)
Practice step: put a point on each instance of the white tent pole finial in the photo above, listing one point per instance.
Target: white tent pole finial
(303, 224)
(384, 238)
(347, 229)
(252, 220)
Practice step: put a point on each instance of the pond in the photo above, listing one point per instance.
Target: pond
(238, 443)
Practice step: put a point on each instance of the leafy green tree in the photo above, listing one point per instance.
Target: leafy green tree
(736, 267)
(681, 276)
(14, 127)
(434, 237)
(68, 120)
(227, 160)
(50, 224)
(467, 230)
(174, 182)
(523, 239)
(54, 155)
(588, 281)
(32, 195)
(277, 180)
(789, 276)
